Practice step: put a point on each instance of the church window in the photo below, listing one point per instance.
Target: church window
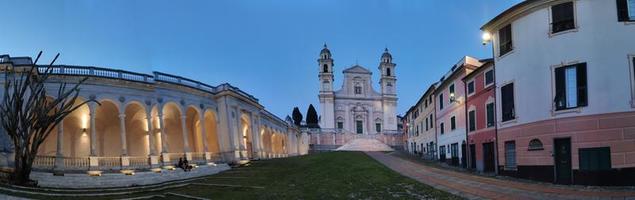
(378, 127)
(340, 125)
(326, 68)
(359, 124)
(358, 89)
(387, 71)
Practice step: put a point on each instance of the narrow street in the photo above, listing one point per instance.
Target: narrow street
(479, 187)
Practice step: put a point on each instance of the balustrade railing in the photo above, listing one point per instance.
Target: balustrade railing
(198, 157)
(216, 157)
(158, 76)
(44, 162)
(96, 72)
(109, 162)
(139, 162)
(76, 162)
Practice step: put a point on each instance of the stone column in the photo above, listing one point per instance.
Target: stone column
(122, 133)
(186, 141)
(164, 138)
(203, 131)
(93, 129)
(59, 155)
(151, 139)
(240, 140)
(254, 136)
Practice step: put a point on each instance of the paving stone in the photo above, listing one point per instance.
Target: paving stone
(478, 187)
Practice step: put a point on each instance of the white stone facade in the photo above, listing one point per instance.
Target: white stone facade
(150, 121)
(356, 107)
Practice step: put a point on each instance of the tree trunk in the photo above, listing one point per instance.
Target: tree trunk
(22, 170)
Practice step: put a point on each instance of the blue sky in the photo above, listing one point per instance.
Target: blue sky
(267, 48)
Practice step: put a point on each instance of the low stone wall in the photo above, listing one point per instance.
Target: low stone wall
(110, 180)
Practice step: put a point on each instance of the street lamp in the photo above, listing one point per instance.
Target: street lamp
(487, 37)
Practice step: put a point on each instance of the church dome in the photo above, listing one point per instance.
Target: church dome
(325, 50)
(386, 54)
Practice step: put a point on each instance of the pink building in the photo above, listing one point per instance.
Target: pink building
(481, 127)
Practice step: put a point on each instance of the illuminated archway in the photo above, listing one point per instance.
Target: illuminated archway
(108, 130)
(212, 134)
(137, 140)
(75, 141)
(173, 129)
(194, 134)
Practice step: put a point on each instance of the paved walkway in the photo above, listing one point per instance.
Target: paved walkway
(479, 187)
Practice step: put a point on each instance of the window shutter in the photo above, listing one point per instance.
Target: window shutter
(559, 100)
(622, 10)
(582, 84)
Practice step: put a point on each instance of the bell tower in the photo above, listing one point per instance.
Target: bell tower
(388, 84)
(388, 79)
(325, 75)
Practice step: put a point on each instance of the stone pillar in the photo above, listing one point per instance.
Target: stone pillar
(203, 131)
(93, 129)
(254, 136)
(164, 138)
(122, 133)
(240, 148)
(151, 140)
(59, 155)
(186, 141)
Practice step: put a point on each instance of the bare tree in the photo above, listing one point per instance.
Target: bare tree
(28, 114)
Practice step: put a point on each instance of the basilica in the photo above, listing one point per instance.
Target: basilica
(357, 108)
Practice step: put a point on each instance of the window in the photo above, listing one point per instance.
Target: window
(510, 155)
(451, 93)
(490, 114)
(452, 123)
(455, 150)
(625, 10)
(430, 99)
(571, 87)
(426, 124)
(387, 71)
(442, 128)
(358, 89)
(489, 77)
(507, 102)
(378, 127)
(425, 103)
(431, 121)
(440, 101)
(595, 159)
(505, 40)
(470, 87)
(417, 132)
(340, 125)
(472, 120)
(535, 144)
(359, 126)
(326, 68)
(562, 17)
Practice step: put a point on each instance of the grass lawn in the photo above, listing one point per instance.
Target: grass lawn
(333, 175)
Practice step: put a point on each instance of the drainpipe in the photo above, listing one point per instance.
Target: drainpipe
(495, 111)
(467, 124)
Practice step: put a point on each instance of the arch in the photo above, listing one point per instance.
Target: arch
(245, 133)
(137, 138)
(173, 128)
(325, 68)
(76, 141)
(194, 134)
(388, 71)
(107, 127)
(211, 131)
(535, 144)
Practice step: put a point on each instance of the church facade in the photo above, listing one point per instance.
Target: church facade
(357, 108)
